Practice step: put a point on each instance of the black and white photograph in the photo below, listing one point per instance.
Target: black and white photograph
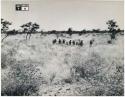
(62, 47)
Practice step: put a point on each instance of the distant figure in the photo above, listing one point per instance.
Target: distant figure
(81, 43)
(59, 41)
(63, 41)
(54, 41)
(70, 42)
(77, 43)
(91, 42)
(66, 43)
(73, 42)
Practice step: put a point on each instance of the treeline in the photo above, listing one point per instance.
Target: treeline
(77, 32)
(14, 32)
(32, 28)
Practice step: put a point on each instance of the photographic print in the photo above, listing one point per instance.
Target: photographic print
(62, 47)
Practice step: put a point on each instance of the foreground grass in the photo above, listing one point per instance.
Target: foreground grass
(37, 67)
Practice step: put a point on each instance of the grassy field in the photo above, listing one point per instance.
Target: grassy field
(38, 67)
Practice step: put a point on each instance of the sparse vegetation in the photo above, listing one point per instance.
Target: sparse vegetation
(55, 64)
(23, 79)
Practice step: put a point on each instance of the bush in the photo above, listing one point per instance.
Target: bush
(23, 79)
(89, 68)
(6, 60)
(94, 71)
(109, 41)
(116, 82)
(19, 90)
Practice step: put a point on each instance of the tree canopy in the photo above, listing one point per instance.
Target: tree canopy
(30, 27)
(5, 25)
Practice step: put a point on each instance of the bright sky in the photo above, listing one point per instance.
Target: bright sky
(62, 14)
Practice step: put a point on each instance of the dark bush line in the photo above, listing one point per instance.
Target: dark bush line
(60, 32)
(78, 32)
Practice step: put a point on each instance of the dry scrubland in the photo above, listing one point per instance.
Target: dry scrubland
(37, 67)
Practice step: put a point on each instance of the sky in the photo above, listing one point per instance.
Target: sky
(62, 14)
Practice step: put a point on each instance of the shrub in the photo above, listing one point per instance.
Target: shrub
(7, 57)
(109, 41)
(89, 68)
(93, 70)
(116, 82)
(99, 92)
(6, 60)
(23, 79)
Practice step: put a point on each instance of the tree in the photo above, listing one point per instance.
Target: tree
(112, 26)
(96, 30)
(118, 30)
(30, 28)
(80, 33)
(5, 25)
(69, 31)
(84, 31)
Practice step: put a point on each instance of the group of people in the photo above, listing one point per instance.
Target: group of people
(69, 42)
(72, 42)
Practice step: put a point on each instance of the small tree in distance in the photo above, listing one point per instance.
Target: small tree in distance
(84, 31)
(96, 30)
(30, 28)
(113, 27)
(69, 31)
